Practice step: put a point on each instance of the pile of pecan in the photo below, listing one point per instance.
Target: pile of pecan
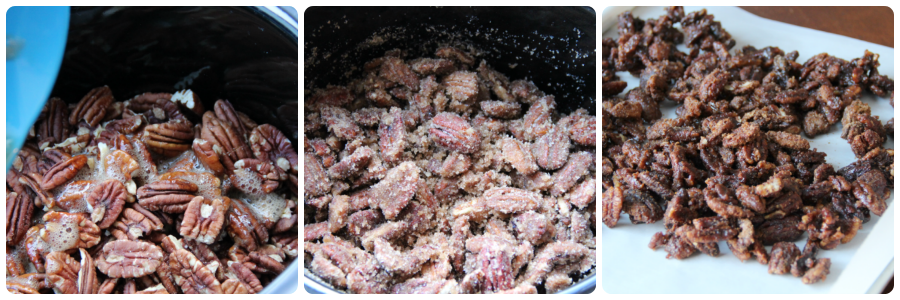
(734, 165)
(432, 175)
(152, 195)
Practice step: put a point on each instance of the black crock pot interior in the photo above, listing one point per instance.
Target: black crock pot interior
(553, 46)
(233, 53)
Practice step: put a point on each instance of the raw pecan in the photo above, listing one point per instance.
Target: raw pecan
(28, 160)
(552, 149)
(203, 149)
(168, 195)
(170, 138)
(63, 171)
(392, 135)
(53, 127)
(268, 143)
(226, 141)
(107, 200)
(33, 182)
(255, 177)
(454, 133)
(396, 189)
(129, 259)
(135, 222)
(157, 107)
(510, 200)
(62, 272)
(225, 112)
(206, 256)
(191, 275)
(60, 232)
(87, 274)
(245, 277)
(537, 120)
(51, 157)
(120, 165)
(19, 208)
(267, 259)
(92, 108)
(187, 100)
(243, 227)
(203, 219)
(518, 155)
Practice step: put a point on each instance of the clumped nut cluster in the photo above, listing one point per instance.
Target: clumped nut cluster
(437, 175)
(734, 165)
(150, 196)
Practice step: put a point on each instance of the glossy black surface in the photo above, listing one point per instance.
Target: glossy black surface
(237, 54)
(553, 46)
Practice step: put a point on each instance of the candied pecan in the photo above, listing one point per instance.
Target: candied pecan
(707, 229)
(387, 231)
(428, 66)
(107, 200)
(553, 254)
(191, 275)
(203, 219)
(782, 256)
(332, 95)
(722, 200)
(823, 226)
(129, 259)
(53, 126)
(316, 183)
(583, 129)
(509, 200)
(204, 151)
(337, 213)
(92, 108)
(551, 150)
(501, 109)
(517, 154)
(818, 271)
(396, 189)
(532, 227)
(135, 222)
(571, 172)
(640, 206)
(869, 188)
(244, 228)
(454, 133)
(537, 121)
(63, 171)
(168, 195)
(455, 164)
(392, 136)
(583, 194)
(396, 70)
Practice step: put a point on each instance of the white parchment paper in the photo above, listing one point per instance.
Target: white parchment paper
(629, 266)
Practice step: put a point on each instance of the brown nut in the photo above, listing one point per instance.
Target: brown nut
(168, 195)
(203, 219)
(63, 171)
(227, 142)
(129, 259)
(244, 228)
(107, 200)
(255, 177)
(53, 128)
(204, 151)
(192, 275)
(19, 208)
(62, 272)
(136, 222)
(270, 144)
(225, 112)
(92, 108)
(157, 107)
(170, 138)
(450, 131)
(209, 185)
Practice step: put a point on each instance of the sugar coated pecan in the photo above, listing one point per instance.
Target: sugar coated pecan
(454, 133)
(92, 108)
(203, 219)
(552, 149)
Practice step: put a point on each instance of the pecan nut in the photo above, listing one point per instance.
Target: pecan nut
(87, 274)
(62, 272)
(129, 259)
(168, 195)
(19, 208)
(170, 138)
(60, 232)
(53, 127)
(135, 223)
(157, 107)
(452, 132)
(107, 200)
(209, 185)
(192, 275)
(204, 151)
(244, 228)
(255, 177)
(227, 142)
(552, 149)
(63, 171)
(270, 144)
(92, 108)
(203, 219)
(225, 112)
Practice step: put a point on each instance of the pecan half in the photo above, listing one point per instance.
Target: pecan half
(225, 112)
(33, 182)
(60, 232)
(170, 138)
(243, 227)
(168, 195)
(270, 144)
(189, 101)
(552, 149)
(203, 219)
(245, 277)
(63, 171)
(129, 259)
(396, 189)
(192, 275)
(19, 208)
(203, 149)
(454, 133)
(53, 127)
(135, 222)
(255, 177)
(226, 141)
(62, 272)
(157, 107)
(87, 275)
(92, 108)
(209, 185)
(107, 200)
